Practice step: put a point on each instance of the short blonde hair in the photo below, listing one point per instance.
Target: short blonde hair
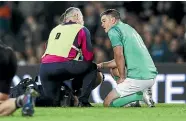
(68, 13)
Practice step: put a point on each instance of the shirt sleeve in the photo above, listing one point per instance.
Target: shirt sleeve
(115, 37)
(84, 43)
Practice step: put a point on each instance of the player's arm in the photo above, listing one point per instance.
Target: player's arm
(86, 45)
(82, 43)
(108, 64)
(117, 45)
(120, 60)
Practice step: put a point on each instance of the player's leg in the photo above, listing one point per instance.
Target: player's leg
(122, 95)
(53, 74)
(142, 85)
(77, 82)
(114, 99)
(76, 85)
(123, 101)
(50, 84)
(111, 97)
(85, 72)
(115, 74)
(7, 107)
(145, 87)
(147, 93)
(25, 101)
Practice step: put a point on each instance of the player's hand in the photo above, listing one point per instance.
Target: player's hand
(100, 65)
(120, 80)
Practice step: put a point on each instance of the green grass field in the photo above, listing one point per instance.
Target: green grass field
(162, 112)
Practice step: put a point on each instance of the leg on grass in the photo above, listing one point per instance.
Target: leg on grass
(113, 99)
(122, 101)
(7, 107)
(110, 97)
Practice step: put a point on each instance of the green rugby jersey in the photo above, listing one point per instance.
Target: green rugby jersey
(138, 61)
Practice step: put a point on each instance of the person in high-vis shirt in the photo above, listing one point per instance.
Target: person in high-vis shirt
(60, 61)
(136, 69)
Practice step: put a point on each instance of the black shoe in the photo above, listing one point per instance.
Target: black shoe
(67, 99)
(65, 102)
(82, 104)
(135, 104)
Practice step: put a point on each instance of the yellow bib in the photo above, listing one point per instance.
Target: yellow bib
(61, 40)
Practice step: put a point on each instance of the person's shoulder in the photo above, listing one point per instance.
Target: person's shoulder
(56, 27)
(77, 26)
(113, 30)
(85, 29)
(127, 26)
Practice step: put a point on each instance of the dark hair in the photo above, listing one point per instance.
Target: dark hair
(113, 12)
(63, 16)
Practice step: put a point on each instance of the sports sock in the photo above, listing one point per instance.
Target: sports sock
(19, 101)
(127, 99)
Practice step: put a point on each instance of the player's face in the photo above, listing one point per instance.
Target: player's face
(107, 22)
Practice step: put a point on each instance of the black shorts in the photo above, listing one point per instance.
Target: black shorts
(8, 67)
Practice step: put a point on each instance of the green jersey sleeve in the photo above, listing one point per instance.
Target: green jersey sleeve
(115, 37)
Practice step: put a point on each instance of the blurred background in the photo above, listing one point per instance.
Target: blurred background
(25, 26)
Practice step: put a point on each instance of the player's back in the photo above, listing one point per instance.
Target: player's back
(61, 40)
(8, 67)
(138, 60)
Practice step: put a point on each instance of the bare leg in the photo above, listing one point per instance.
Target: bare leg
(7, 107)
(115, 74)
(110, 97)
(113, 94)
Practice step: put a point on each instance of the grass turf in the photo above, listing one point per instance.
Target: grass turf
(162, 112)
